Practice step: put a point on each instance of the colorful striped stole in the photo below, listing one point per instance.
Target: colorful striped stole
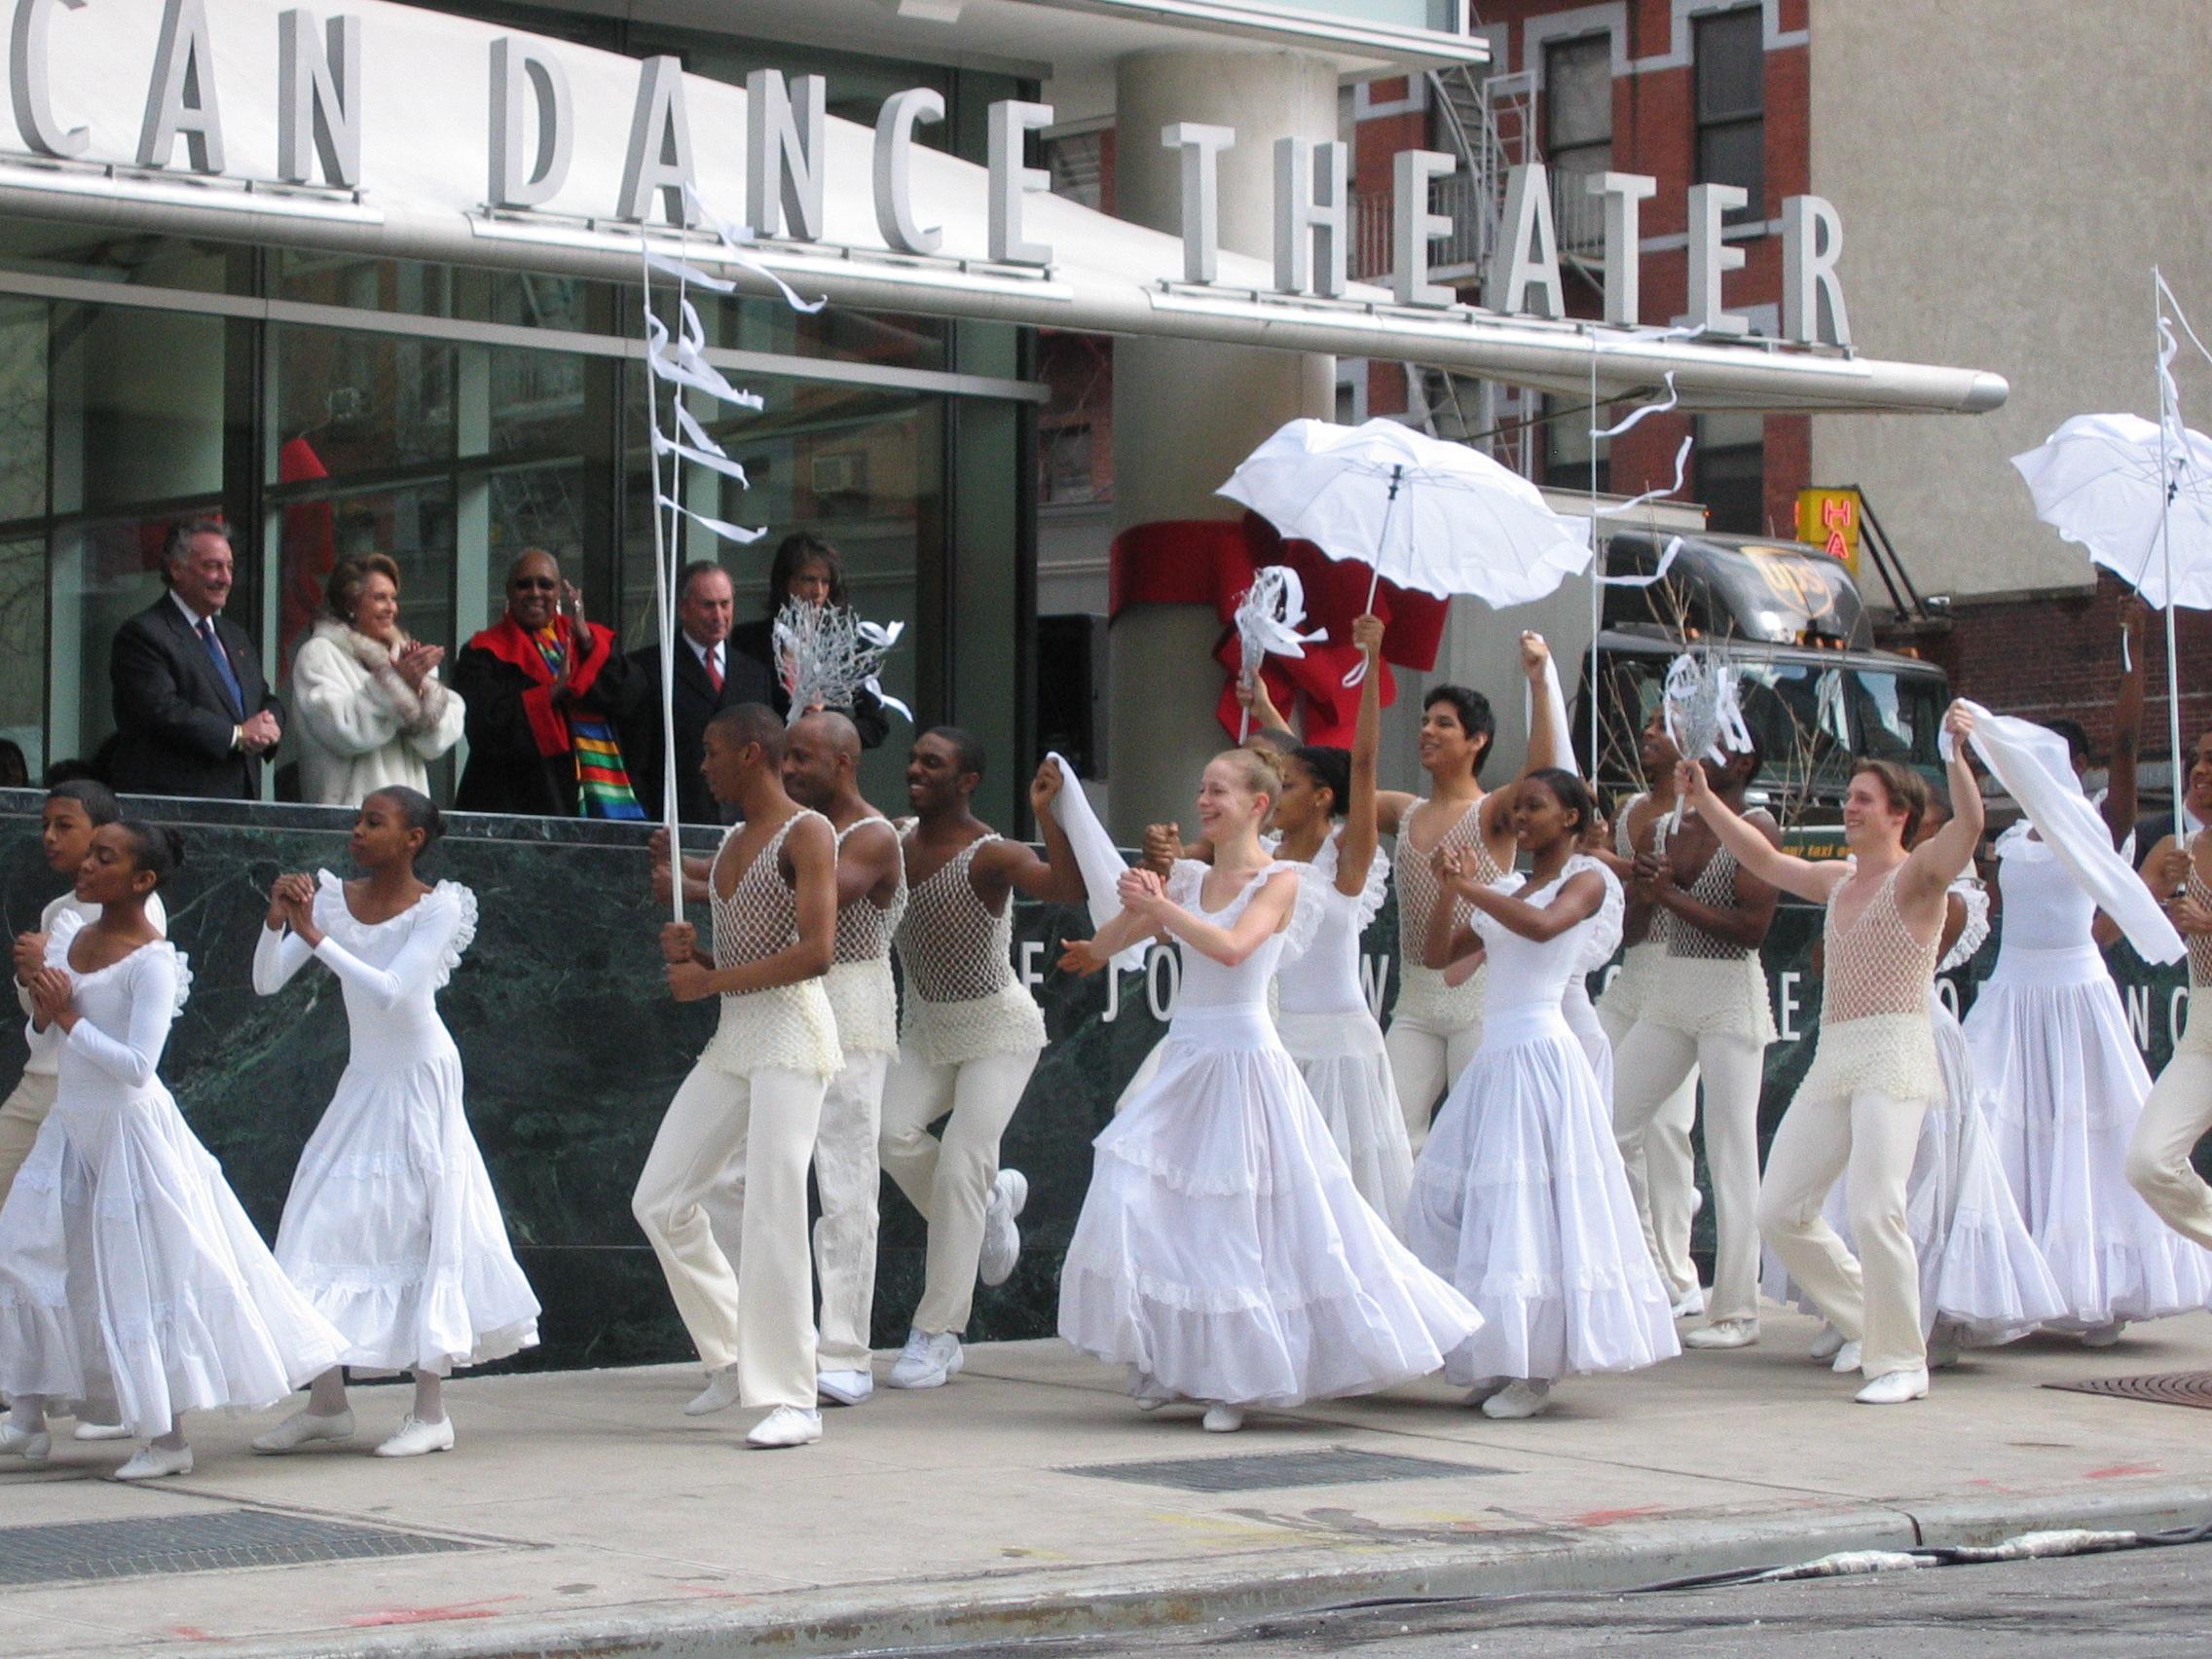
(603, 781)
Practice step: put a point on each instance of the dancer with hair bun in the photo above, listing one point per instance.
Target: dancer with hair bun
(1223, 1252)
(128, 1269)
(1519, 1197)
(391, 1228)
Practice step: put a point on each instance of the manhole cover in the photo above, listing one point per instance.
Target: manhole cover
(196, 1543)
(2167, 1388)
(1264, 1470)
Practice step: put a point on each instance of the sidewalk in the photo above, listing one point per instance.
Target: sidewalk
(583, 1512)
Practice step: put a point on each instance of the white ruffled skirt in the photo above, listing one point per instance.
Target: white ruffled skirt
(1979, 1269)
(1520, 1200)
(1347, 1069)
(1223, 1251)
(392, 1231)
(2062, 1085)
(129, 1272)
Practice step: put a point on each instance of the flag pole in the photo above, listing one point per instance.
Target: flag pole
(2166, 488)
(661, 603)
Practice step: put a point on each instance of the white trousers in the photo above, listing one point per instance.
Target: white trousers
(948, 1179)
(1425, 1060)
(21, 1116)
(1663, 1179)
(758, 1317)
(846, 1178)
(1653, 1065)
(1874, 1298)
(2174, 1120)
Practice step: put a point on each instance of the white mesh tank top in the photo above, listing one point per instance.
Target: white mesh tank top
(788, 1027)
(962, 1000)
(862, 992)
(1874, 966)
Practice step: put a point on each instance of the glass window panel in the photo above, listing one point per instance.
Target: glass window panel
(138, 406)
(314, 277)
(1735, 154)
(1731, 64)
(111, 253)
(1578, 92)
(348, 404)
(22, 649)
(540, 507)
(23, 408)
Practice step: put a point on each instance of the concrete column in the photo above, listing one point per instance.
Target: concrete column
(1186, 414)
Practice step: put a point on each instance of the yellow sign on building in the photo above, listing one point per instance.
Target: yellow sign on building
(1828, 519)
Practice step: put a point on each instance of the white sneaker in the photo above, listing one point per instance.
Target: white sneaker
(785, 1426)
(1521, 1398)
(928, 1360)
(150, 1463)
(1487, 1387)
(416, 1437)
(32, 1446)
(103, 1431)
(1690, 1305)
(1723, 1334)
(1846, 1359)
(300, 1429)
(1221, 1419)
(1002, 1239)
(1895, 1387)
(719, 1394)
(1827, 1346)
(844, 1387)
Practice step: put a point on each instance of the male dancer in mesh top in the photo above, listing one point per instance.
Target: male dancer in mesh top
(968, 1035)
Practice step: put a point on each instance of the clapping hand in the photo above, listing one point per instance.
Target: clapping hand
(1141, 892)
(417, 662)
(50, 996)
(30, 956)
(289, 895)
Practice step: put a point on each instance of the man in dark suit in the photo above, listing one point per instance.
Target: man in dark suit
(709, 678)
(193, 714)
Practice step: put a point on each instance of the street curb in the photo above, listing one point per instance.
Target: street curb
(1129, 1599)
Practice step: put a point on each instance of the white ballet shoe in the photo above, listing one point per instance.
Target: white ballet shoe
(1827, 1346)
(1149, 1392)
(1221, 1419)
(785, 1427)
(103, 1431)
(151, 1463)
(1846, 1359)
(1723, 1334)
(930, 1360)
(32, 1446)
(1690, 1305)
(302, 1429)
(1002, 1239)
(415, 1437)
(844, 1387)
(1525, 1397)
(719, 1394)
(2104, 1336)
(1895, 1387)
(1486, 1388)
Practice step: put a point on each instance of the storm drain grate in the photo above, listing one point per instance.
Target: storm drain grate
(1265, 1470)
(198, 1543)
(2167, 1388)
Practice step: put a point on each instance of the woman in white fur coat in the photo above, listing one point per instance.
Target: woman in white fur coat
(368, 710)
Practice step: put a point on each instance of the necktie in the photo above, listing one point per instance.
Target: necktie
(223, 669)
(712, 658)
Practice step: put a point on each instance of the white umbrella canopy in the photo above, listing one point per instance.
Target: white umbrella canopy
(1426, 514)
(2108, 483)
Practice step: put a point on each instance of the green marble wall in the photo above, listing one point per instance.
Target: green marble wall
(573, 1051)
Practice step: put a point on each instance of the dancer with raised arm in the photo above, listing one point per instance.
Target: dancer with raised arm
(2179, 1109)
(968, 1035)
(1708, 1013)
(1519, 1197)
(821, 756)
(120, 1221)
(1664, 1177)
(751, 1106)
(1223, 1252)
(391, 1229)
(1435, 1028)
(1875, 1071)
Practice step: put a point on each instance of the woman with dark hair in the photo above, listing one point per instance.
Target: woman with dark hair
(127, 1269)
(1519, 1197)
(391, 1228)
(809, 568)
(369, 708)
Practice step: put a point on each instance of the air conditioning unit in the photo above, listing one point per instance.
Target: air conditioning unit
(844, 474)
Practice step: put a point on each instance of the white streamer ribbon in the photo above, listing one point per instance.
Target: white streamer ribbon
(683, 360)
(1681, 459)
(720, 526)
(1658, 574)
(735, 240)
(1673, 399)
(882, 639)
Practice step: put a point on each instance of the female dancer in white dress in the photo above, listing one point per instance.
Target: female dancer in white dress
(2064, 1085)
(1223, 1252)
(391, 1228)
(1321, 1010)
(1519, 1197)
(128, 1269)
(1983, 1282)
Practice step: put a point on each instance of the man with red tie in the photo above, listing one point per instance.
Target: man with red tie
(193, 714)
(709, 678)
